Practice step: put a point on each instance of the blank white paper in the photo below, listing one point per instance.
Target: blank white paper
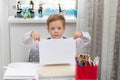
(20, 71)
(57, 51)
(14, 72)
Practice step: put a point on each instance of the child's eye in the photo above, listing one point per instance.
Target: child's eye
(59, 27)
(52, 28)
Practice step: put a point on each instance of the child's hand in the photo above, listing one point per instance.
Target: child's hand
(35, 36)
(77, 35)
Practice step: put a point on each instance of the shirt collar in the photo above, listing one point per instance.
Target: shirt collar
(59, 38)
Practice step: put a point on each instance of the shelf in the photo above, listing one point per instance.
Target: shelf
(12, 19)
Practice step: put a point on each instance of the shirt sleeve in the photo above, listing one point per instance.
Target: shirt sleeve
(83, 40)
(30, 42)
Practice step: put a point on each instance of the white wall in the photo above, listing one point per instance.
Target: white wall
(0, 41)
(11, 11)
(4, 35)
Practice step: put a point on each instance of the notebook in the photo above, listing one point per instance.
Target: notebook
(21, 71)
(57, 51)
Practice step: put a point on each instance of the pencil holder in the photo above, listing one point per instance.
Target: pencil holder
(86, 72)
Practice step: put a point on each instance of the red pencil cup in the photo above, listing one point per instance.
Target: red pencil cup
(86, 73)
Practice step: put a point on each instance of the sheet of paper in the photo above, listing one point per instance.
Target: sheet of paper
(21, 71)
(57, 51)
(13, 72)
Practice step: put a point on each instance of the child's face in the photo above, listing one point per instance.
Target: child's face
(56, 29)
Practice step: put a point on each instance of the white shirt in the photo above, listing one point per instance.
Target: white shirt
(80, 42)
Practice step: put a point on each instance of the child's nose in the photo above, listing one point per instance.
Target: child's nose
(56, 30)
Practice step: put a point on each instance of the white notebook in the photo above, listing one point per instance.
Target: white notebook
(21, 71)
(57, 51)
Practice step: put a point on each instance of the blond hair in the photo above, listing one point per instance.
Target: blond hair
(55, 17)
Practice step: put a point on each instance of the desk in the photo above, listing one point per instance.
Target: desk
(50, 72)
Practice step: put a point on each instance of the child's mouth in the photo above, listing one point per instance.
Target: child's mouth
(56, 35)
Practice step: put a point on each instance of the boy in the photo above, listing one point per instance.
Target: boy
(56, 28)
